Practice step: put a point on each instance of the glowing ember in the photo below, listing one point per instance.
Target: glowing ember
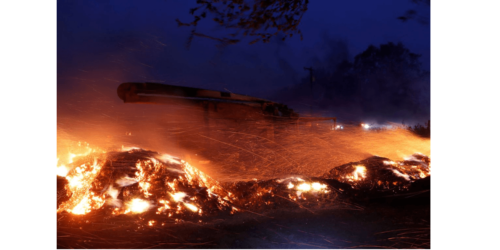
(151, 167)
(138, 206)
(422, 174)
(178, 196)
(62, 170)
(83, 180)
(304, 187)
(71, 156)
(191, 207)
(86, 204)
(81, 207)
(80, 180)
(359, 173)
(317, 186)
(158, 181)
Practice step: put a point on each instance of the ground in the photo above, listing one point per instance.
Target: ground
(383, 223)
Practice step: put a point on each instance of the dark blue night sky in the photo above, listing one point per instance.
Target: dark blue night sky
(104, 43)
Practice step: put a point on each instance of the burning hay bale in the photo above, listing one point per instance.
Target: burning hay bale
(137, 181)
(381, 175)
(141, 195)
(262, 196)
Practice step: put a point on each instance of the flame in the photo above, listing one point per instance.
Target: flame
(178, 196)
(304, 187)
(86, 204)
(72, 156)
(80, 180)
(318, 186)
(359, 173)
(62, 171)
(191, 207)
(165, 206)
(152, 174)
(422, 174)
(82, 200)
(138, 206)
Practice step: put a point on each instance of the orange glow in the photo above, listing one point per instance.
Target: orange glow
(158, 183)
(62, 171)
(191, 207)
(304, 187)
(138, 206)
(178, 196)
(359, 173)
(317, 186)
(80, 180)
(422, 174)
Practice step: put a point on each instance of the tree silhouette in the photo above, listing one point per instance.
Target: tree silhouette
(389, 71)
(261, 21)
(412, 14)
(382, 79)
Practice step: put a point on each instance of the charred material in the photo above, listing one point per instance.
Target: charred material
(378, 177)
(149, 199)
(170, 187)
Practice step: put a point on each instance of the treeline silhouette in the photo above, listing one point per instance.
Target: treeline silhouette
(385, 81)
(421, 130)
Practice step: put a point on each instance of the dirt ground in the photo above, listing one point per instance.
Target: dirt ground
(382, 223)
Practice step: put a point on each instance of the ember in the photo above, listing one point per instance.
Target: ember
(137, 206)
(166, 190)
(167, 183)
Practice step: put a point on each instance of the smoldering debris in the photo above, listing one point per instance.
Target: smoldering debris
(190, 194)
(161, 204)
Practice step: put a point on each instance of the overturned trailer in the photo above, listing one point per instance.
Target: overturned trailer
(216, 105)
